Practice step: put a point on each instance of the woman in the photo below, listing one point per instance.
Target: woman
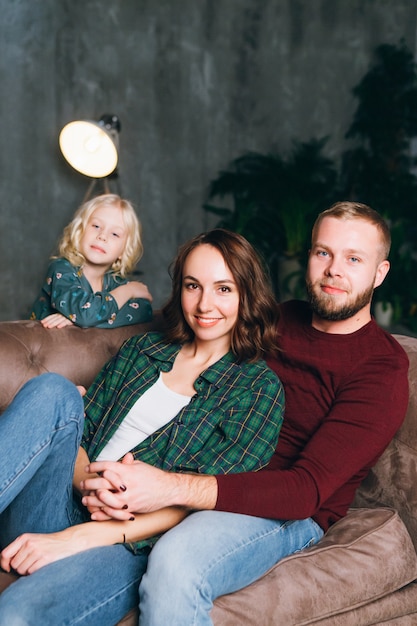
(197, 398)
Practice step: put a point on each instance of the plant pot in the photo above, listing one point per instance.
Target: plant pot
(383, 312)
(290, 278)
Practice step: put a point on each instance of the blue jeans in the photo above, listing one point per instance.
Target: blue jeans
(211, 554)
(40, 434)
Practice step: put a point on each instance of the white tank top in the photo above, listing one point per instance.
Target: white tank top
(154, 409)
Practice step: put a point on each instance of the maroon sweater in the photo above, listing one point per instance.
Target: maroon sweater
(346, 396)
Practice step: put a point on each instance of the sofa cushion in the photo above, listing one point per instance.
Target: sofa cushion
(365, 556)
(395, 609)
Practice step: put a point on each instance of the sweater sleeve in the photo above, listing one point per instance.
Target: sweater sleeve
(364, 417)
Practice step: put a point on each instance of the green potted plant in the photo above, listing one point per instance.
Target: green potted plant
(392, 299)
(378, 167)
(274, 201)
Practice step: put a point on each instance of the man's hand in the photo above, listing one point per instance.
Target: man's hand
(136, 487)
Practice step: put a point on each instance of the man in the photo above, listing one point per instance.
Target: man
(346, 396)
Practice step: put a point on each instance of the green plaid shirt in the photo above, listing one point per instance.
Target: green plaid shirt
(230, 425)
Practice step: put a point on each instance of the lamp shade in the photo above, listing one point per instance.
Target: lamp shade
(91, 147)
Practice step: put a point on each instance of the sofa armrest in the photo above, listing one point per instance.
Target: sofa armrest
(365, 556)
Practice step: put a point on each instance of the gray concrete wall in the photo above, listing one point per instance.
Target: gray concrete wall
(194, 82)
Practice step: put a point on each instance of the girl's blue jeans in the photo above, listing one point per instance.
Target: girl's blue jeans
(209, 554)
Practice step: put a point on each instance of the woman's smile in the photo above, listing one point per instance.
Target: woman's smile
(207, 321)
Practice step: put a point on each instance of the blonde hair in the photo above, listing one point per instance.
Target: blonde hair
(69, 244)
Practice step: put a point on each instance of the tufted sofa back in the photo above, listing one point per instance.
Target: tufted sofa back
(27, 349)
(393, 480)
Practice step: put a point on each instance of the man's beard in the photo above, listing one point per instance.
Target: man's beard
(327, 308)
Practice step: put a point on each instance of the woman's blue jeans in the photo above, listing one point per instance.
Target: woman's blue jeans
(40, 434)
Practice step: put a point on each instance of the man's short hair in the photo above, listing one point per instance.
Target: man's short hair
(357, 211)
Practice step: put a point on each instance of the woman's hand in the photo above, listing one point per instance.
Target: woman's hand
(96, 486)
(95, 506)
(56, 320)
(30, 552)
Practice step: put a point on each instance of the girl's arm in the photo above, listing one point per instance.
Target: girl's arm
(30, 552)
(132, 289)
(70, 295)
(135, 311)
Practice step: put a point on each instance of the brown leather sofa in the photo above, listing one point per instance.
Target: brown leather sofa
(364, 570)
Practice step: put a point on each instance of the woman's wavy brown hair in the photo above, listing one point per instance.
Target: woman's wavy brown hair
(255, 332)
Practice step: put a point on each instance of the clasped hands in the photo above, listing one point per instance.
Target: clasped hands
(124, 488)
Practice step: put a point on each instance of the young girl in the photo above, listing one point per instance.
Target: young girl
(86, 284)
(196, 398)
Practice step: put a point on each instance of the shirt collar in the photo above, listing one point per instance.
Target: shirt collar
(217, 374)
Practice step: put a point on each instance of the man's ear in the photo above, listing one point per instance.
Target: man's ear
(381, 272)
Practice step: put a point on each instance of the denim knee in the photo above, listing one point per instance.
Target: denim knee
(51, 391)
(49, 383)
